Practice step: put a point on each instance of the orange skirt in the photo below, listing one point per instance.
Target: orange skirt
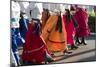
(48, 27)
(55, 41)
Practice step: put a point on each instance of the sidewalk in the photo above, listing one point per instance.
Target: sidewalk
(84, 53)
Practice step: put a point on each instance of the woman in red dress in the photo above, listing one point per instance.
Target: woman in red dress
(70, 28)
(83, 30)
(35, 50)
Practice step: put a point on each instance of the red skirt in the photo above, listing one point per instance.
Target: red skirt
(70, 30)
(82, 19)
(34, 49)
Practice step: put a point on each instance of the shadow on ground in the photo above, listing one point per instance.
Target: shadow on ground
(72, 55)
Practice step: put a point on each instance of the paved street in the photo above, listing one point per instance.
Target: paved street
(82, 54)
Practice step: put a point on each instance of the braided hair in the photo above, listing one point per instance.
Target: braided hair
(59, 24)
(68, 15)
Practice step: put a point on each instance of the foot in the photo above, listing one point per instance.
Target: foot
(78, 43)
(69, 47)
(74, 47)
(84, 43)
(49, 59)
(67, 52)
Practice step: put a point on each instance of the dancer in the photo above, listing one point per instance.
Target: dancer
(35, 50)
(83, 30)
(70, 28)
(17, 41)
(54, 34)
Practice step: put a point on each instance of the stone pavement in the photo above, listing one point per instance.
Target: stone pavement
(84, 53)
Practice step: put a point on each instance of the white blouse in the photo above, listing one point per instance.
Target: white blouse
(15, 14)
(23, 8)
(36, 10)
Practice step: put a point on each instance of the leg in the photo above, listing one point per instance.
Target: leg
(83, 41)
(66, 52)
(77, 41)
(73, 46)
(48, 58)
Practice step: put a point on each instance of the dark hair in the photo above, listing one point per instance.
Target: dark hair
(59, 24)
(68, 15)
(37, 27)
(44, 9)
(48, 14)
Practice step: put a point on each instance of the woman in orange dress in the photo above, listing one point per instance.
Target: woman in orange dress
(54, 34)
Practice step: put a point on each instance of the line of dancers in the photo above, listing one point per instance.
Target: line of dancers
(47, 32)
